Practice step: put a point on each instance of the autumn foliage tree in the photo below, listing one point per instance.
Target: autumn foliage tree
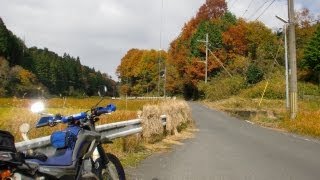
(186, 52)
(139, 71)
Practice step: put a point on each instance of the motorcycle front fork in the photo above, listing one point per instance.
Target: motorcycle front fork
(88, 164)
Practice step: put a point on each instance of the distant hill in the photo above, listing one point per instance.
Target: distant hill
(29, 71)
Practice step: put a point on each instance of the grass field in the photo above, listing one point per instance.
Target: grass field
(14, 112)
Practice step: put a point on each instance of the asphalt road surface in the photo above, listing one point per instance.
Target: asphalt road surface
(228, 148)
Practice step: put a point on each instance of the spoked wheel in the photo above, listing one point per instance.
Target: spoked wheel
(113, 170)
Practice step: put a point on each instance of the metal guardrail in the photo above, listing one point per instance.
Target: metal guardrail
(111, 131)
(143, 98)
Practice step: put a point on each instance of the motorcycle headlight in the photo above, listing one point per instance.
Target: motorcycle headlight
(5, 156)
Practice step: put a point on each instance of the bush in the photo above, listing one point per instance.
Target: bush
(254, 74)
(221, 88)
(308, 89)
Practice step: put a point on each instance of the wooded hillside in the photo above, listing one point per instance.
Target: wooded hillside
(241, 54)
(29, 71)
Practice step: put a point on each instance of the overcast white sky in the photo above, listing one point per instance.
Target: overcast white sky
(100, 32)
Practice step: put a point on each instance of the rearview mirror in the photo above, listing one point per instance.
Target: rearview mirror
(102, 91)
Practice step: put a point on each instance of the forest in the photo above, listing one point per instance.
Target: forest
(29, 72)
(242, 55)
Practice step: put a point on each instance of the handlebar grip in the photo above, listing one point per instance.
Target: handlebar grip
(102, 110)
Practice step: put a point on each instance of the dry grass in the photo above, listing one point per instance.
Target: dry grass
(306, 123)
(151, 122)
(178, 114)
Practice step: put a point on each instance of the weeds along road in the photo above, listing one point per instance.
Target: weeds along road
(227, 148)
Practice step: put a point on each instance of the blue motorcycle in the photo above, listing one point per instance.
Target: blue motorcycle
(78, 151)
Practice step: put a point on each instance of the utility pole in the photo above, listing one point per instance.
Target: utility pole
(159, 74)
(165, 80)
(287, 67)
(206, 62)
(293, 89)
(207, 42)
(286, 60)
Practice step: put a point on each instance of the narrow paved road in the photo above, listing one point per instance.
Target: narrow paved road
(227, 148)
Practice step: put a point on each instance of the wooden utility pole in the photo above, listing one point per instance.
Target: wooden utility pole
(206, 62)
(207, 42)
(293, 89)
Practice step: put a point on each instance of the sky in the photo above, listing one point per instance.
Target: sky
(100, 32)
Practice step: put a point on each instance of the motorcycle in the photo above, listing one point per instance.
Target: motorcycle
(79, 153)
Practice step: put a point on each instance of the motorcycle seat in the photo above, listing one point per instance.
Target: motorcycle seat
(62, 157)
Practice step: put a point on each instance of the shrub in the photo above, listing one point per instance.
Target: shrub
(254, 74)
(221, 88)
(308, 89)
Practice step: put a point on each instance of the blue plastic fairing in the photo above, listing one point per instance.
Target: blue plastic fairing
(60, 158)
(44, 121)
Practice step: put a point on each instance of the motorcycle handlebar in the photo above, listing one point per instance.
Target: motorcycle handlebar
(55, 119)
(95, 112)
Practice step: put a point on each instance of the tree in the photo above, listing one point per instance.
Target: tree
(312, 53)
(215, 38)
(4, 79)
(139, 71)
(212, 9)
(262, 43)
(235, 39)
(305, 30)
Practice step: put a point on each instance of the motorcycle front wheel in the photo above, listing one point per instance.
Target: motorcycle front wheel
(113, 169)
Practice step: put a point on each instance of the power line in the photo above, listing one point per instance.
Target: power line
(260, 7)
(247, 8)
(265, 10)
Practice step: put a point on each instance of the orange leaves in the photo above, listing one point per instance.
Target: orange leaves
(212, 9)
(129, 62)
(235, 39)
(139, 71)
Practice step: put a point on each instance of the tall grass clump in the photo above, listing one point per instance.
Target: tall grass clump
(275, 89)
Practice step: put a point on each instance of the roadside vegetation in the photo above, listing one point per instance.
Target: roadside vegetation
(132, 149)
